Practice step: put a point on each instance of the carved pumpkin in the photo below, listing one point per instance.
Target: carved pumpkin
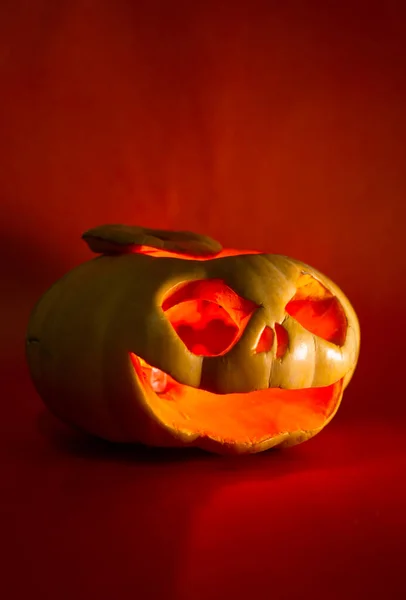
(169, 340)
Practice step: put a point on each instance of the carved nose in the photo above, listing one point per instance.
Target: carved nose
(265, 341)
(282, 340)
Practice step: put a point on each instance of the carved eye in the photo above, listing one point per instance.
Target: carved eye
(318, 311)
(207, 315)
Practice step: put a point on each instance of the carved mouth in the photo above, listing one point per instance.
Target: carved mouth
(257, 419)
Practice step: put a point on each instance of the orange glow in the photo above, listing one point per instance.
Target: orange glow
(314, 307)
(265, 340)
(254, 416)
(282, 340)
(157, 253)
(207, 315)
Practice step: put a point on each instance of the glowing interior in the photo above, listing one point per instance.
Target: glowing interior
(207, 315)
(254, 416)
(314, 307)
(282, 340)
(158, 253)
(265, 341)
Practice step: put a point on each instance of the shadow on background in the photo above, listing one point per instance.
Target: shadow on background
(199, 518)
(337, 446)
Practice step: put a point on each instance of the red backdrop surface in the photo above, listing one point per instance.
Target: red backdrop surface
(271, 125)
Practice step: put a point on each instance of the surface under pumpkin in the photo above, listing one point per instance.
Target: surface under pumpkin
(169, 340)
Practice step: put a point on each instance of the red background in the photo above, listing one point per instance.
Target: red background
(271, 125)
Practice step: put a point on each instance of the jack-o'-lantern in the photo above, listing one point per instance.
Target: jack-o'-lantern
(168, 340)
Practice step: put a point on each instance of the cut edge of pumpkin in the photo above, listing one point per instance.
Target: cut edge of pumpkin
(236, 422)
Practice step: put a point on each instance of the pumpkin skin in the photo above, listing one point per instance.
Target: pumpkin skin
(166, 339)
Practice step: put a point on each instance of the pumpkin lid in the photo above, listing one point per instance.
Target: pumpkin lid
(121, 239)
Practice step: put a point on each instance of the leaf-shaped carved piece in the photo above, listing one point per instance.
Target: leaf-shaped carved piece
(121, 239)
